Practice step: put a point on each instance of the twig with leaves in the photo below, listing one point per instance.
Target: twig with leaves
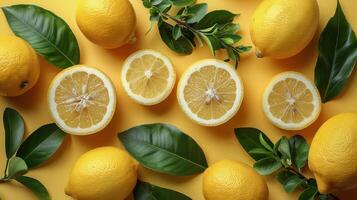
(287, 157)
(26, 155)
(191, 22)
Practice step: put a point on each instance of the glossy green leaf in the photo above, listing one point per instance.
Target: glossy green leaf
(41, 145)
(17, 167)
(35, 186)
(196, 12)
(164, 148)
(47, 33)
(249, 139)
(267, 166)
(182, 45)
(14, 131)
(308, 194)
(337, 56)
(284, 148)
(182, 3)
(176, 32)
(147, 191)
(299, 150)
(289, 180)
(215, 17)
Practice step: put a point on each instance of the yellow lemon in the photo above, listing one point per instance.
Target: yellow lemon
(104, 173)
(108, 23)
(82, 100)
(333, 154)
(19, 66)
(231, 180)
(282, 28)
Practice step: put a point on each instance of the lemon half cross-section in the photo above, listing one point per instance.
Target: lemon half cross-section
(210, 92)
(291, 101)
(82, 100)
(148, 77)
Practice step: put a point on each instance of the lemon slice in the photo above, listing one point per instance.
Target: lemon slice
(291, 101)
(148, 77)
(210, 92)
(82, 100)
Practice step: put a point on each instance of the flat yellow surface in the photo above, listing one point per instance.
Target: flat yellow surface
(218, 143)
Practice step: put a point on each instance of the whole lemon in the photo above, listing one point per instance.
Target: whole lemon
(282, 28)
(108, 23)
(104, 173)
(333, 154)
(19, 66)
(231, 180)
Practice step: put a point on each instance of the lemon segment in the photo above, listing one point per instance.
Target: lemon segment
(210, 92)
(291, 101)
(148, 77)
(82, 100)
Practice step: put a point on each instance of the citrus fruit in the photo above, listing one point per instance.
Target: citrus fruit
(82, 100)
(108, 23)
(19, 67)
(231, 180)
(291, 101)
(278, 30)
(148, 77)
(104, 173)
(210, 92)
(333, 154)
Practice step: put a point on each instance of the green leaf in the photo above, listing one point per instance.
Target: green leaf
(17, 167)
(41, 145)
(267, 166)
(284, 148)
(14, 131)
(337, 56)
(182, 3)
(265, 143)
(326, 197)
(230, 28)
(215, 17)
(196, 13)
(164, 148)
(299, 151)
(47, 33)
(176, 32)
(249, 139)
(289, 180)
(147, 191)
(35, 186)
(212, 42)
(308, 194)
(182, 45)
(261, 151)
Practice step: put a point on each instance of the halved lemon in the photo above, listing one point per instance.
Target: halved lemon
(291, 101)
(82, 100)
(148, 77)
(210, 92)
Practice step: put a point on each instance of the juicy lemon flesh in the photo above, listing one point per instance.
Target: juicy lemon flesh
(148, 76)
(210, 92)
(81, 100)
(291, 101)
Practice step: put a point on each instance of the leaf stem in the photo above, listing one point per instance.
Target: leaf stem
(6, 166)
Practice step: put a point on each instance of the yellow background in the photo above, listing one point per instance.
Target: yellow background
(218, 143)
